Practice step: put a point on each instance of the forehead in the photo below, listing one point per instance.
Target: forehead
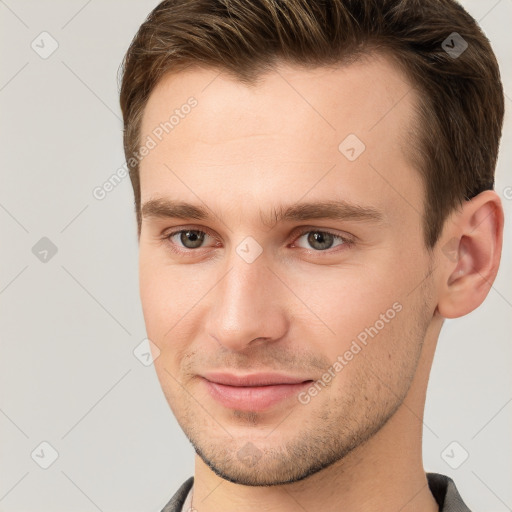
(338, 95)
(295, 132)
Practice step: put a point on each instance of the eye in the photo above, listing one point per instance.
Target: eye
(187, 238)
(322, 240)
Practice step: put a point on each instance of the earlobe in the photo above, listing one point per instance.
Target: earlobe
(469, 254)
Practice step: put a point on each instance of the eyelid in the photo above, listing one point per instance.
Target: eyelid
(308, 229)
(296, 234)
(179, 229)
(166, 236)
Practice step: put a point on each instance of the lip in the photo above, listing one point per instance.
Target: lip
(253, 379)
(254, 392)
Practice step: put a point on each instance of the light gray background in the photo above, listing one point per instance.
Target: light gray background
(69, 326)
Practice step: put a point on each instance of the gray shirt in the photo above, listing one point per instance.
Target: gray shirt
(442, 488)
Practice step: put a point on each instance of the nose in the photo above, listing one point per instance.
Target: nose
(247, 306)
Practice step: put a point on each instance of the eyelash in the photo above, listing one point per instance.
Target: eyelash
(347, 241)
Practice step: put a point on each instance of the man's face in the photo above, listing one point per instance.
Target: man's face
(238, 293)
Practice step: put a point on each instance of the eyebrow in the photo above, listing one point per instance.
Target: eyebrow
(329, 209)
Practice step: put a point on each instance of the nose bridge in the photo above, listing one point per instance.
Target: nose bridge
(245, 303)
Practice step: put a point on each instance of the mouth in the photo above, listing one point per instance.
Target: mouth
(255, 392)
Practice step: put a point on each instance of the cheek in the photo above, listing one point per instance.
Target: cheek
(158, 298)
(348, 300)
(370, 319)
(164, 320)
(171, 298)
(153, 298)
(163, 288)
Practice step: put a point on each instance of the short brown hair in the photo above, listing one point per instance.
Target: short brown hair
(461, 105)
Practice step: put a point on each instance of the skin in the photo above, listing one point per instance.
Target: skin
(245, 150)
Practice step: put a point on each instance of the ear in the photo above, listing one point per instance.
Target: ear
(469, 254)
